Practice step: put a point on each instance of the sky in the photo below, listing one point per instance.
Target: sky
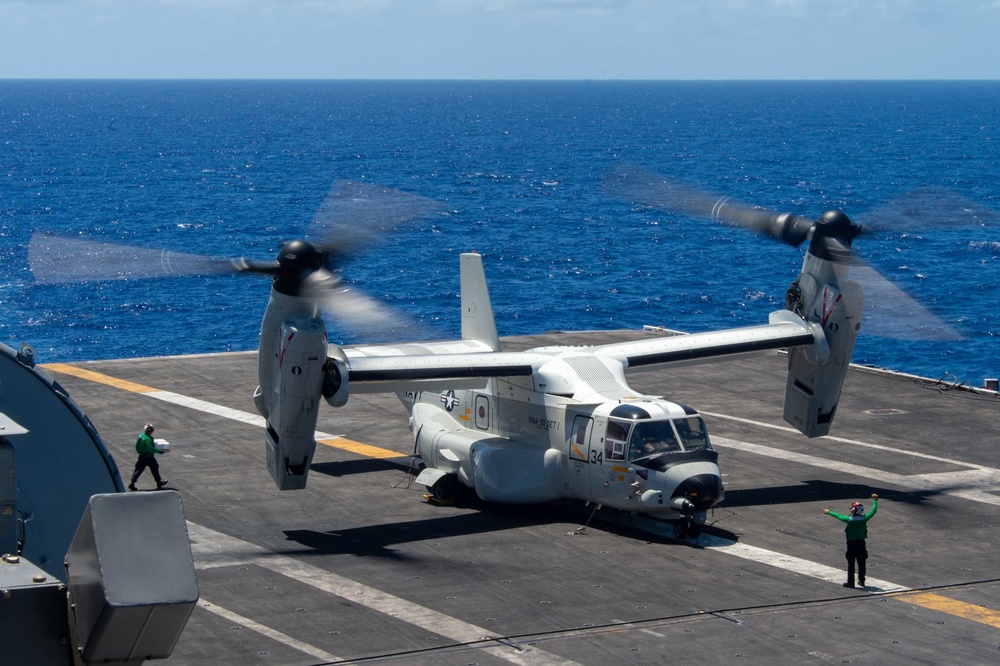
(500, 39)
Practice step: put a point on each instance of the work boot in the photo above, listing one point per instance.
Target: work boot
(160, 484)
(132, 487)
(849, 584)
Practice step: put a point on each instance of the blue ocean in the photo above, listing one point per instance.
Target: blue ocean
(235, 168)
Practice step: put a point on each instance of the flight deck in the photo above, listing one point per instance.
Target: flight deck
(360, 567)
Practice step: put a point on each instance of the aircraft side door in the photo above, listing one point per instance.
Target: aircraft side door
(579, 456)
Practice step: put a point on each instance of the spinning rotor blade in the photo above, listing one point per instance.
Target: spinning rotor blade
(56, 259)
(928, 209)
(350, 218)
(354, 213)
(892, 313)
(652, 190)
(356, 312)
(889, 311)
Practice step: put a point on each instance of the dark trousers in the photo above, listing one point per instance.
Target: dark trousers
(149, 460)
(856, 554)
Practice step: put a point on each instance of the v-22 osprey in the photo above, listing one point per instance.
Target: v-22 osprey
(557, 422)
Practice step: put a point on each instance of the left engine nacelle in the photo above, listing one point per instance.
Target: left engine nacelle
(294, 404)
(813, 385)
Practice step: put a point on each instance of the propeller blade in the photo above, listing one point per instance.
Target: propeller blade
(57, 259)
(928, 209)
(649, 189)
(354, 213)
(352, 310)
(892, 313)
(889, 311)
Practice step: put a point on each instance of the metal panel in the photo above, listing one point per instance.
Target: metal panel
(33, 627)
(131, 576)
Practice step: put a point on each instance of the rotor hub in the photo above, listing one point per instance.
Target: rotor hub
(297, 260)
(832, 236)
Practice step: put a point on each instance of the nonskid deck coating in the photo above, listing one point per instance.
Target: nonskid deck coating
(358, 566)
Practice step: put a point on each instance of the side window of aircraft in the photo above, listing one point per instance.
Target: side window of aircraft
(652, 438)
(692, 432)
(614, 440)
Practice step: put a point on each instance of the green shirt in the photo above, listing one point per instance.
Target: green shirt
(144, 445)
(857, 526)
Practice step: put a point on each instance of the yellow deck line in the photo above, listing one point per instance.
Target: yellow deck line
(360, 449)
(335, 442)
(953, 607)
(98, 378)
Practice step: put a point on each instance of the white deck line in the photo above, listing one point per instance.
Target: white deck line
(264, 630)
(975, 484)
(214, 549)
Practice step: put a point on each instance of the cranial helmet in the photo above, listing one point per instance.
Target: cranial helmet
(857, 507)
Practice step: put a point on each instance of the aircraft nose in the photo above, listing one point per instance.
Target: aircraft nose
(702, 490)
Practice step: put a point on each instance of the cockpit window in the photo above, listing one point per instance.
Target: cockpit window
(615, 438)
(692, 432)
(650, 438)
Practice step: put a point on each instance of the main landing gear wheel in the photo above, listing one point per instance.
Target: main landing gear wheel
(445, 489)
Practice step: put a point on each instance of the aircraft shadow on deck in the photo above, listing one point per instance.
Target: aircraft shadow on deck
(377, 540)
(359, 466)
(820, 491)
(483, 518)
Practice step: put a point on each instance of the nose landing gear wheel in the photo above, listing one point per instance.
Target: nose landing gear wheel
(686, 527)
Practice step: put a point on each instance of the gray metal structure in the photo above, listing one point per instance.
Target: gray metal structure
(61, 460)
(131, 577)
(33, 620)
(64, 518)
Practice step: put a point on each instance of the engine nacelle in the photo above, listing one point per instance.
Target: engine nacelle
(335, 378)
(813, 385)
(294, 409)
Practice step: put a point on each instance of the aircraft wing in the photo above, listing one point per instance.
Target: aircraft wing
(784, 330)
(381, 369)
(468, 364)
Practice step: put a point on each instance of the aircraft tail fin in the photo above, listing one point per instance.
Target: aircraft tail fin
(477, 308)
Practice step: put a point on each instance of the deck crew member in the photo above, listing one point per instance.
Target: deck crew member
(146, 448)
(857, 532)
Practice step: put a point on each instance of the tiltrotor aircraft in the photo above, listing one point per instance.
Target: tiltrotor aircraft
(525, 427)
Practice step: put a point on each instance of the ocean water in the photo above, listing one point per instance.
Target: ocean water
(235, 168)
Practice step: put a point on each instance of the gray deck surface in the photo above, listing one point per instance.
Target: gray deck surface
(358, 566)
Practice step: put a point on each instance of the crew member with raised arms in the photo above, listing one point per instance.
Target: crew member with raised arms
(857, 532)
